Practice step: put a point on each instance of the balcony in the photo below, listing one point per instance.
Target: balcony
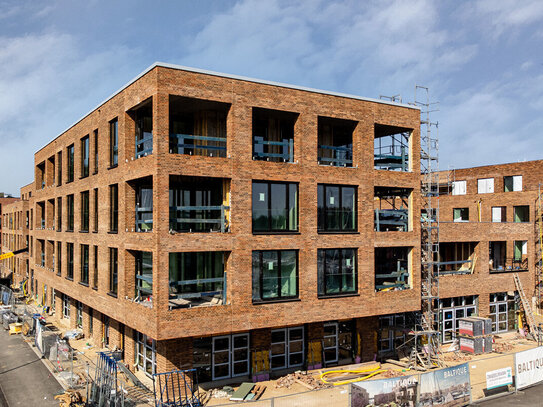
(391, 148)
(197, 279)
(273, 135)
(197, 127)
(143, 189)
(143, 121)
(392, 268)
(391, 209)
(335, 142)
(457, 258)
(508, 265)
(199, 204)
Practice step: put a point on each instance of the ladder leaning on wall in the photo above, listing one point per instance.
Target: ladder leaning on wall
(538, 250)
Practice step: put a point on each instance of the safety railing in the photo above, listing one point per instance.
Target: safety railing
(199, 218)
(338, 156)
(273, 150)
(197, 145)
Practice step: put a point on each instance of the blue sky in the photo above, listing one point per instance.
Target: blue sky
(482, 60)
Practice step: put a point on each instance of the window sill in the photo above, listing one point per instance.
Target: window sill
(83, 231)
(327, 296)
(95, 288)
(112, 294)
(68, 230)
(94, 231)
(94, 172)
(83, 176)
(113, 232)
(338, 232)
(84, 284)
(112, 166)
(69, 278)
(69, 182)
(275, 301)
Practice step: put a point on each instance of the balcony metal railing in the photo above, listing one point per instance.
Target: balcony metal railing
(391, 220)
(143, 224)
(286, 148)
(341, 156)
(199, 216)
(189, 299)
(144, 146)
(208, 145)
(508, 265)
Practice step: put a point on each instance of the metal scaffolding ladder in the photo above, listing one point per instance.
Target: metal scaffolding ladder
(428, 350)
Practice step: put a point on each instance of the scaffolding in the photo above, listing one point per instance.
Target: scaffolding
(425, 338)
(538, 249)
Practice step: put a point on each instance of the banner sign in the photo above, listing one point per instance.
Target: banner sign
(449, 386)
(499, 377)
(397, 391)
(529, 367)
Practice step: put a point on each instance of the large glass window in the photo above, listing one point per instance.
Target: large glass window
(95, 151)
(143, 118)
(113, 208)
(275, 207)
(336, 269)
(451, 310)
(59, 214)
(85, 211)
(59, 168)
(85, 264)
(521, 213)
(113, 143)
(59, 258)
(145, 353)
(503, 309)
(144, 208)
(512, 183)
(113, 270)
(85, 157)
(70, 153)
(70, 209)
(70, 261)
(275, 275)
(65, 306)
(336, 208)
(95, 274)
(287, 347)
(96, 209)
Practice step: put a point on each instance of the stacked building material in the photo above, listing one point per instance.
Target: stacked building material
(475, 335)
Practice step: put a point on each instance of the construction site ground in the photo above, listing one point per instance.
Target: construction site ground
(291, 386)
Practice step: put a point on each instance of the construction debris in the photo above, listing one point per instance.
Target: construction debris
(305, 379)
(70, 398)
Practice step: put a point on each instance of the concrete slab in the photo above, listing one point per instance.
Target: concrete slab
(24, 379)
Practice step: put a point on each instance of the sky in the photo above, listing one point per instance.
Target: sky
(482, 60)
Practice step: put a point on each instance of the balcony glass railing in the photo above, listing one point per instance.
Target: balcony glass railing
(197, 145)
(273, 150)
(144, 219)
(338, 156)
(199, 218)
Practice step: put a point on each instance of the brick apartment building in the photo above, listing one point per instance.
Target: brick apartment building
(5, 200)
(237, 226)
(197, 219)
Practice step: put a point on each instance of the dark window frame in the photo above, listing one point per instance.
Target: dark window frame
(85, 153)
(323, 273)
(70, 205)
(96, 210)
(70, 261)
(85, 216)
(270, 229)
(114, 143)
(258, 284)
(113, 271)
(114, 208)
(323, 228)
(95, 135)
(70, 153)
(84, 264)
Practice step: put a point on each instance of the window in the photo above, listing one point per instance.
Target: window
(96, 209)
(85, 157)
(85, 264)
(275, 275)
(336, 208)
(70, 261)
(59, 168)
(59, 258)
(485, 186)
(461, 214)
(144, 276)
(59, 214)
(521, 213)
(145, 353)
(85, 211)
(113, 270)
(287, 347)
(390, 337)
(503, 309)
(95, 151)
(79, 315)
(113, 208)
(70, 153)
(392, 268)
(95, 274)
(459, 188)
(498, 214)
(65, 306)
(275, 207)
(335, 142)
(336, 271)
(451, 310)
(70, 209)
(144, 208)
(512, 183)
(113, 143)
(143, 118)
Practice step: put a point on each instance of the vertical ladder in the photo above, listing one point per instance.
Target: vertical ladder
(538, 248)
(525, 304)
